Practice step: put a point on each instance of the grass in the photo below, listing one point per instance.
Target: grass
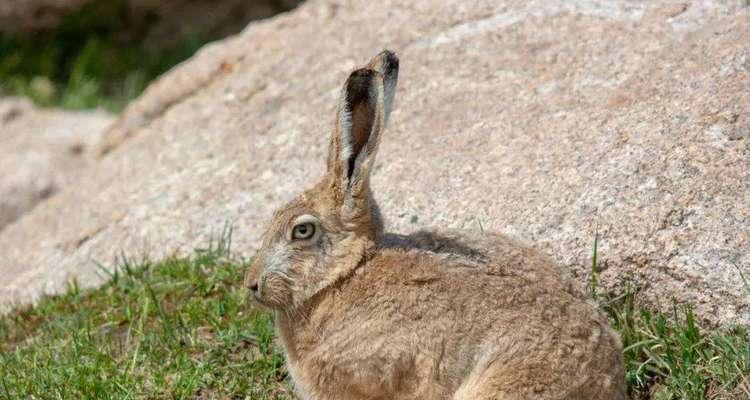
(181, 328)
(97, 57)
(174, 329)
(668, 356)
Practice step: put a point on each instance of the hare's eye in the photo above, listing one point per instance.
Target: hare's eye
(303, 231)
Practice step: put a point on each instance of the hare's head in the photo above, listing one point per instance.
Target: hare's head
(323, 234)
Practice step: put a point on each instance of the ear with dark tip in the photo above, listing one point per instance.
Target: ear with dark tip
(387, 64)
(360, 120)
(366, 101)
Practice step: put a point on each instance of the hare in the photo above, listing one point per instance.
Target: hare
(367, 315)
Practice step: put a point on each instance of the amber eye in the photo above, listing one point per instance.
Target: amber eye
(303, 231)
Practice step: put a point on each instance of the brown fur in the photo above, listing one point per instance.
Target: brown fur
(365, 315)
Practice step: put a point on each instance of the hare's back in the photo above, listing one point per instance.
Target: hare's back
(476, 299)
(486, 288)
(496, 261)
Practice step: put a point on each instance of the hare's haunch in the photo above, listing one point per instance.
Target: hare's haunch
(367, 315)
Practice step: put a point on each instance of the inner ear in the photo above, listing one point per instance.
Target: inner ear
(361, 115)
(362, 121)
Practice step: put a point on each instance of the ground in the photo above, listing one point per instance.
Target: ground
(184, 328)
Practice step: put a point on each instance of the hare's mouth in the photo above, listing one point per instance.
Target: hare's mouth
(262, 304)
(259, 298)
(273, 290)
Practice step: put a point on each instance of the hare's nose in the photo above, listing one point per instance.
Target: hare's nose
(251, 280)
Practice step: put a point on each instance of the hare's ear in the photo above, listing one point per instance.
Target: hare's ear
(365, 104)
(387, 64)
(360, 119)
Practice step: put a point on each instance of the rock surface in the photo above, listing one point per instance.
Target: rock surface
(42, 152)
(549, 121)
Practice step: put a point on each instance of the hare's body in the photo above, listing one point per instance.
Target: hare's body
(437, 318)
(363, 315)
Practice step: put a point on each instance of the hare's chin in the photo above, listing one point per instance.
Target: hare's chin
(269, 303)
(264, 305)
(259, 300)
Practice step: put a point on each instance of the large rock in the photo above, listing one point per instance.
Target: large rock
(42, 152)
(546, 120)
